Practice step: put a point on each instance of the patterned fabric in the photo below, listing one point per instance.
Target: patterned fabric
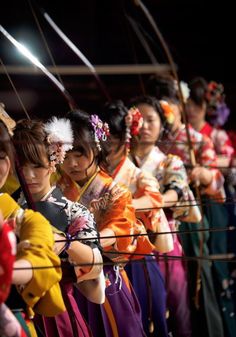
(80, 223)
(204, 153)
(7, 258)
(171, 174)
(36, 245)
(220, 139)
(112, 207)
(9, 325)
(145, 187)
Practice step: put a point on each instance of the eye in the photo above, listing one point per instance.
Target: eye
(3, 155)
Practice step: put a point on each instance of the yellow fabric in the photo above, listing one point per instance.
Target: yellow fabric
(11, 185)
(43, 292)
(31, 328)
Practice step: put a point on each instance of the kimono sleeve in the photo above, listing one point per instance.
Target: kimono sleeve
(83, 227)
(208, 158)
(43, 292)
(119, 216)
(175, 177)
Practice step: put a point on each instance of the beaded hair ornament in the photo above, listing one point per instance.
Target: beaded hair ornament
(101, 130)
(6, 119)
(59, 138)
(168, 112)
(217, 110)
(133, 122)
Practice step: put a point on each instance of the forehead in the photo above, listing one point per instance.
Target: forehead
(146, 109)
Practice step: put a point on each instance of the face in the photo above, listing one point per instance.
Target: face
(116, 149)
(151, 128)
(177, 114)
(5, 166)
(196, 114)
(79, 167)
(37, 179)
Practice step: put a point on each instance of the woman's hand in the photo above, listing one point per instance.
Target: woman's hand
(59, 246)
(201, 176)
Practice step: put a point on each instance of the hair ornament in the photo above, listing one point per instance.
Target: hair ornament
(59, 138)
(133, 122)
(168, 112)
(185, 90)
(217, 110)
(6, 119)
(101, 130)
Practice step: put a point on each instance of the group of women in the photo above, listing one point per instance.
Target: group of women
(100, 214)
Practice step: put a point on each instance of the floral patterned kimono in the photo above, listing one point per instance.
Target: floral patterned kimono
(42, 294)
(205, 304)
(171, 174)
(111, 205)
(72, 218)
(146, 278)
(223, 243)
(220, 139)
(9, 325)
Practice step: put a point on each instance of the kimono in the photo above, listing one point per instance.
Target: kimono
(171, 174)
(202, 288)
(223, 215)
(146, 277)
(204, 153)
(77, 221)
(220, 139)
(9, 326)
(111, 205)
(42, 294)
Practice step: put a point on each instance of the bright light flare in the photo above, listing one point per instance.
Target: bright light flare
(31, 57)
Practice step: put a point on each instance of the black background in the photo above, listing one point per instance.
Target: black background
(200, 35)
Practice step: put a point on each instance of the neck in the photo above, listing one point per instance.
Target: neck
(113, 163)
(40, 195)
(143, 150)
(198, 126)
(82, 182)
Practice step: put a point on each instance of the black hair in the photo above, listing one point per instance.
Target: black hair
(198, 89)
(153, 102)
(114, 114)
(163, 87)
(84, 139)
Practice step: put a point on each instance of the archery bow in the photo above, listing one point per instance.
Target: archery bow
(39, 65)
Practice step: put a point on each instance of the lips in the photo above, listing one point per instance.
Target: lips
(31, 185)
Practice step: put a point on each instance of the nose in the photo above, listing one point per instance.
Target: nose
(72, 162)
(28, 172)
(145, 124)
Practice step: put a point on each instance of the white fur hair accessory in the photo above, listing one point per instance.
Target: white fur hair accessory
(59, 137)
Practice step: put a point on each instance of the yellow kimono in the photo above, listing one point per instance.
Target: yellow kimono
(42, 294)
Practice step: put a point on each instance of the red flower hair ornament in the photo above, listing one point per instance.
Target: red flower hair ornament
(133, 122)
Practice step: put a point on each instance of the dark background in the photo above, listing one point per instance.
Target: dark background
(200, 35)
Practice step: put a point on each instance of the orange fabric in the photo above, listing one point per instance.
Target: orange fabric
(125, 278)
(111, 205)
(111, 318)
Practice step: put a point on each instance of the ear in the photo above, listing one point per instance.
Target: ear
(6, 172)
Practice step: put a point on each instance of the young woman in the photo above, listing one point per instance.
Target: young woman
(40, 148)
(146, 278)
(210, 183)
(206, 101)
(35, 249)
(172, 177)
(83, 179)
